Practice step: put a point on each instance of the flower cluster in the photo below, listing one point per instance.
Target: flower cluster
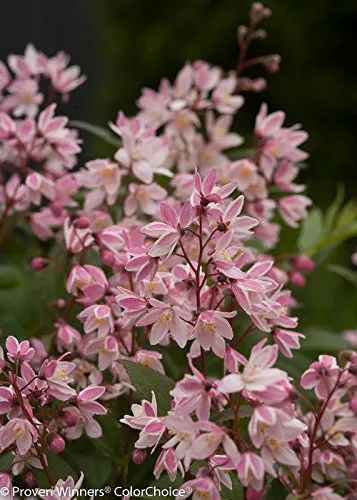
(167, 248)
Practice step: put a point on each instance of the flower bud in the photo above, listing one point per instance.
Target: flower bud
(30, 478)
(108, 258)
(139, 456)
(81, 223)
(57, 444)
(304, 263)
(352, 470)
(297, 279)
(39, 263)
(56, 209)
(60, 303)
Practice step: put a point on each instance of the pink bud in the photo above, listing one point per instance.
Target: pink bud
(57, 444)
(82, 223)
(354, 259)
(39, 263)
(56, 209)
(352, 470)
(30, 478)
(353, 405)
(60, 303)
(139, 456)
(108, 258)
(71, 419)
(297, 279)
(304, 263)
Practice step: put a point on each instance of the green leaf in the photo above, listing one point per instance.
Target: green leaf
(236, 493)
(317, 338)
(345, 273)
(311, 230)
(58, 468)
(111, 443)
(333, 210)
(98, 131)
(245, 411)
(145, 380)
(5, 462)
(96, 472)
(10, 276)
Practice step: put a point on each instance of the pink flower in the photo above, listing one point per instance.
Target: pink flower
(223, 98)
(63, 490)
(257, 374)
(90, 280)
(287, 340)
(206, 192)
(18, 431)
(152, 359)
(167, 462)
(208, 441)
(195, 393)
(25, 97)
(64, 79)
(293, 209)
(201, 487)
(321, 376)
(39, 186)
(244, 172)
(68, 338)
(54, 130)
(97, 318)
(102, 178)
(142, 152)
(145, 197)
(107, 350)
(57, 374)
(19, 351)
(86, 400)
(76, 239)
(212, 329)
(142, 414)
(166, 320)
(251, 471)
(170, 230)
(26, 65)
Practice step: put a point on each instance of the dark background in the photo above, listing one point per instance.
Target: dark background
(123, 45)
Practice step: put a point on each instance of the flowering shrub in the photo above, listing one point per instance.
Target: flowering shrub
(161, 262)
